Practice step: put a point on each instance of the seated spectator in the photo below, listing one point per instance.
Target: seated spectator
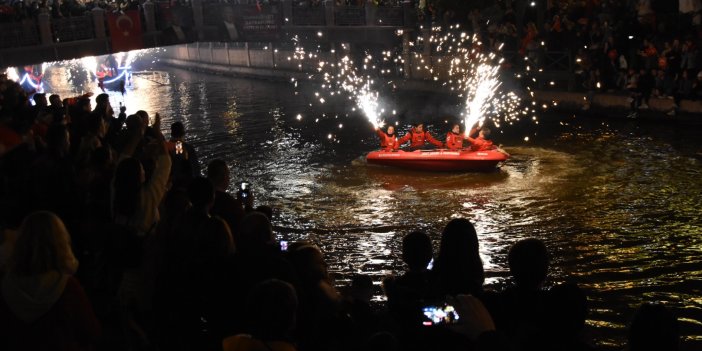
(271, 309)
(406, 292)
(225, 205)
(258, 258)
(519, 309)
(458, 268)
(321, 321)
(358, 305)
(207, 271)
(183, 238)
(43, 307)
(566, 312)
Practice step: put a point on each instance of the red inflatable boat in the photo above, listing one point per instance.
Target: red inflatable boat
(439, 159)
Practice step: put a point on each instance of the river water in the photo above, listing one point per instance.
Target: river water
(617, 202)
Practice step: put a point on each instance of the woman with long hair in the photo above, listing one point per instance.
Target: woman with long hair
(43, 306)
(458, 268)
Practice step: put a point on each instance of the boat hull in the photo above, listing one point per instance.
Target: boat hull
(439, 160)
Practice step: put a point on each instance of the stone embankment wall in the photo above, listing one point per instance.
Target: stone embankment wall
(267, 62)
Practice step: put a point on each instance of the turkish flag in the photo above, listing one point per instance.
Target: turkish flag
(125, 31)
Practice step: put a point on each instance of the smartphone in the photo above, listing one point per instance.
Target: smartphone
(244, 189)
(431, 264)
(283, 245)
(179, 147)
(439, 315)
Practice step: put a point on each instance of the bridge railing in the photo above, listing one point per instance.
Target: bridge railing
(390, 16)
(308, 16)
(73, 28)
(349, 15)
(14, 35)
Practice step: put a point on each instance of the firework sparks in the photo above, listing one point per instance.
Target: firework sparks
(459, 61)
(357, 83)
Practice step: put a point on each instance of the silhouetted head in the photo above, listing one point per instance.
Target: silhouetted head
(272, 310)
(416, 250)
(55, 100)
(214, 240)
(256, 233)
(144, 117)
(134, 124)
(654, 327)
(201, 193)
(176, 203)
(83, 104)
(266, 210)
(95, 125)
(458, 265)
(43, 245)
(528, 263)
(218, 174)
(40, 99)
(177, 130)
(309, 264)
(485, 132)
(102, 100)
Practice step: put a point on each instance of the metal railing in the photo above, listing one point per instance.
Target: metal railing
(73, 28)
(389, 16)
(13, 35)
(349, 15)
(308, 16)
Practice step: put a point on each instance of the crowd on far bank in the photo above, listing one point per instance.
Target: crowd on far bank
(642, 48)
(111, 239)
(17, 11)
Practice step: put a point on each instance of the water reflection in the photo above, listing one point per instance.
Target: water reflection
(617, 203)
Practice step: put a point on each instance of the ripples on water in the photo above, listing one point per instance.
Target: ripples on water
(617, 203)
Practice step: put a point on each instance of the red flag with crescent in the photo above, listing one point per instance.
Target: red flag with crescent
(125, 31)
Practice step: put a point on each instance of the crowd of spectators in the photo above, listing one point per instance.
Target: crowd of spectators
(644, 48)
(17, 11)
(112, 239)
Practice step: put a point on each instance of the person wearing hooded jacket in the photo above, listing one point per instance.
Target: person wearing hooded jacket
(42, 306)
(418, 137)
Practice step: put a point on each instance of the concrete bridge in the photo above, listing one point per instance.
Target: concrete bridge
(44, 39)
